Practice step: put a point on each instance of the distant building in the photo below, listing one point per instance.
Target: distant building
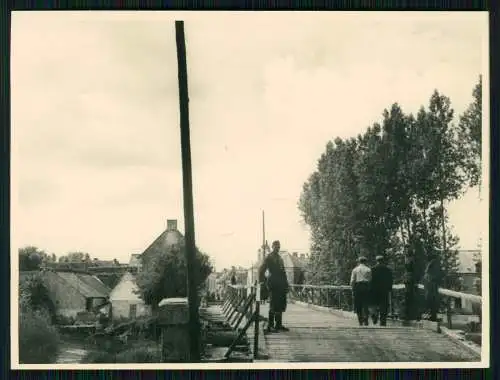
(467, 260)
(469, 275)
(125, 302)
(135, 261)
(295, 265)
(212, 283)
(104, 263)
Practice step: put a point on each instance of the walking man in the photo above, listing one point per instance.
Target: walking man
(381, 287)
(360, 283)
(277, 285)
(432, 281)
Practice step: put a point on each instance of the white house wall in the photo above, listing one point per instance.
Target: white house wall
(125, 290)
(123, 295)
(121, 309)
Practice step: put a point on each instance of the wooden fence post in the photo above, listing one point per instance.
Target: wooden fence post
(256, 315)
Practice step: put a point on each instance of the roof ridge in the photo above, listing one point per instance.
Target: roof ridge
(154, 241)
(79, 289)
(161, 239)
(68, 282)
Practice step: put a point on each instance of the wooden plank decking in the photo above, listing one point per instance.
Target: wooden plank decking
(317, 336)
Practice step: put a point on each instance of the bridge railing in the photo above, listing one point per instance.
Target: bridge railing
(340, 297)
(241, 309)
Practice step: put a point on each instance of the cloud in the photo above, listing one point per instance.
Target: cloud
(36, 190)
(96, 141)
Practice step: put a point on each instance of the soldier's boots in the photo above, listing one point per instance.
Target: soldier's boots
(279, 323)
(282, 328)
(278, 327)
(270, 323)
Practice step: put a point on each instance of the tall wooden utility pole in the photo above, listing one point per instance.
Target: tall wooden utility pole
(194, 323)
(263, 236)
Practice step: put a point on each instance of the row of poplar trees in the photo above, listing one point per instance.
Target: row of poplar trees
(386, 191)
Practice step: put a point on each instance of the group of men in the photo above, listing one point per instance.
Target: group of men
(371, 289)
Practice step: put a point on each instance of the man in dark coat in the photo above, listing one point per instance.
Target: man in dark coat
(432, 280)
(410, 293)
(277, 285)
(381, 287)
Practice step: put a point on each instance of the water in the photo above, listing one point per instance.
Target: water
(71, 351)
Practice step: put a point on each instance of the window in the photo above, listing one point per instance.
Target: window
(133, 311)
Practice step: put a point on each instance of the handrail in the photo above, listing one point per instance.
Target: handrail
(474, 298)
(342, 299)
(445, 292)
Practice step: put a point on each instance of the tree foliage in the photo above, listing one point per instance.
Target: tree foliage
(470, 134)
(165, 275)
(385, 191)
(34, 295)
(75, 257)
(31, 258)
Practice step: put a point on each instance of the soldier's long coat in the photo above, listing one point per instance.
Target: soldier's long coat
(276, 283)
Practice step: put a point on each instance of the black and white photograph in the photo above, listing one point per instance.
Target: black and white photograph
(249, 190)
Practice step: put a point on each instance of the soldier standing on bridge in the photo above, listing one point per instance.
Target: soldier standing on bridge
(381, 286)
(277, 284)
(361, 277)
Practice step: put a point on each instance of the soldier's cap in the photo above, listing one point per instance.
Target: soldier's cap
(276, 242)
(379, 258)
(362, 259)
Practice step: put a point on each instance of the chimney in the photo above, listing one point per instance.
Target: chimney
(171, 224)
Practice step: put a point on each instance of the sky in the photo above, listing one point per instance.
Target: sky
(96, 159)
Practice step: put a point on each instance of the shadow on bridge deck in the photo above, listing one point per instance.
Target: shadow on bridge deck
(318, 336)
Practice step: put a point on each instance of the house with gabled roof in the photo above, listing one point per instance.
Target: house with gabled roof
(74, 292)
(167, 240)
(125, 300)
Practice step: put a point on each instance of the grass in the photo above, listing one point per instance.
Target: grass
(39, 340)
(140, 351)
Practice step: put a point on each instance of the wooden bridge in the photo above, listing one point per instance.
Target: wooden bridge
(324, 329)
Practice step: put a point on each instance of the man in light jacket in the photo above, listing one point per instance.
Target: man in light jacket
(361, 277)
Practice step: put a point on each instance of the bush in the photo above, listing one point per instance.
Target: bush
(38, 339)
(34, 295)
(64, 320)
